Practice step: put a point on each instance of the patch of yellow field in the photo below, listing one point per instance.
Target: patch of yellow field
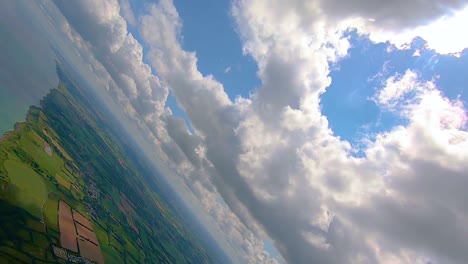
(57, 145)
(62, 181)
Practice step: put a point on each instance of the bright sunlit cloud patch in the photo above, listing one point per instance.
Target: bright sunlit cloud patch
(448, 34)
(445, 35)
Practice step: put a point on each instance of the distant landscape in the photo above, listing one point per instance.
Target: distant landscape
(71, 192)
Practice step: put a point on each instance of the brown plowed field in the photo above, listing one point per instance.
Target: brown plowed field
(82, 220)
(86, 233)
(90, 251)
(67, 227)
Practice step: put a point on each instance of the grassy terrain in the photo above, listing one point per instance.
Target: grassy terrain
(49, 210)
(32, 143)
(30, 189)
(69, 150)
(63, 181)
(22, 238)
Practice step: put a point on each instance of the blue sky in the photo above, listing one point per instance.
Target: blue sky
(355, 79)
(222, 56)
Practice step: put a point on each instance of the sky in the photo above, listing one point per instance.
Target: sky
(24, 48)
(307, 131)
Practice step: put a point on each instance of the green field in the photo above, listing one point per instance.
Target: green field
(30, 189)
(49, 211)
(33, 144)
(112, 256)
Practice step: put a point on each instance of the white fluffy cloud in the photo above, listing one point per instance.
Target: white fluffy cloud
(127, 12)
(117, 50)
(422, 164)
(439, 22)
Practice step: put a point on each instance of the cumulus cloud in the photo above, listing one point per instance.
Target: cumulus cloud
(392, 15)
(428, 160)
(396, 89)
(127, 12)
(117, 50)
(439, 22)
(248, 246)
